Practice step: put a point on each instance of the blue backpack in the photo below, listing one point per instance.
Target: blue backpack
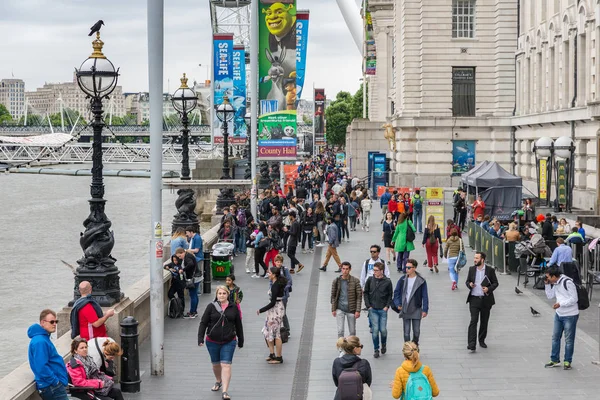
(417, 202)
(417, 387)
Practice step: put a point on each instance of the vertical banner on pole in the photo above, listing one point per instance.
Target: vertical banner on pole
(301, 45)
(277, 135)
(561, 181)
(371, 56)
(222, 79)
(434, 205)
(319, 118)
(239, 95)
(543, 180)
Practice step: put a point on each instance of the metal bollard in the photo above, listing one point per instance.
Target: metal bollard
(207, 274)
(130, 361)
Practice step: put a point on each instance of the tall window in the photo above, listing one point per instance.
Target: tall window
(463, 18)
(463, 91)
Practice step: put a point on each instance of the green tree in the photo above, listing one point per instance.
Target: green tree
(5, 116)
(339, 116)
(357, 103)
(307, 120)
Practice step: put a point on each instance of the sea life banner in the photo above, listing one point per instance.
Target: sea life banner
(319, 117)
(239, 95)
(222, 79)
(463, 156)
(277, 136)
(301, 46)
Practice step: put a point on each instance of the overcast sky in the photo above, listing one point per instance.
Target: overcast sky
(43, 41)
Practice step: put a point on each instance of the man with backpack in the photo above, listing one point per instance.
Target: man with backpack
(417, 202)
(567, 308)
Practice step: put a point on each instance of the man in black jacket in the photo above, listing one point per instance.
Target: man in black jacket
(293, 235)
(547, 228)
(481, 282)
(378, 292)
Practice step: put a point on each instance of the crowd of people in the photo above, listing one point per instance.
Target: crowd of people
(322, 210)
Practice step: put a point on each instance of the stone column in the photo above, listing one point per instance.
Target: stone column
(543, 106)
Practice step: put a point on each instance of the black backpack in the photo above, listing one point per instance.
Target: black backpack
(277, 241)
(350, 384)
(175, 309)
(583, 301)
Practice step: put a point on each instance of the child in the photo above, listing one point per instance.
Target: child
(412, 364)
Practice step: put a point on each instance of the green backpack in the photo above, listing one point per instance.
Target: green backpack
(417, 387)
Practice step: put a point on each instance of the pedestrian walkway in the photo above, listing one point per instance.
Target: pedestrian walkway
(511, 368)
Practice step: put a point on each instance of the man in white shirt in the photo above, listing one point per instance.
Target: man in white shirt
(562, 288)
(367, 268)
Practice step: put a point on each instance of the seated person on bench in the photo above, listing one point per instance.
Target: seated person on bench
(561, 254)
(575, 237)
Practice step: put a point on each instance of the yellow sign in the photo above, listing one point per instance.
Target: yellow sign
(434, 205)
(157, 230)
(543, 178)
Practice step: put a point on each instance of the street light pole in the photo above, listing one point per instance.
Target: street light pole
(225, 114)
(97, 78)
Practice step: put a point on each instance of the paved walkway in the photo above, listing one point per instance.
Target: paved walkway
(511, 368)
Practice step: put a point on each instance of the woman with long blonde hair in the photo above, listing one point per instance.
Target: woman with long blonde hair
(432, 239)
(412, 364)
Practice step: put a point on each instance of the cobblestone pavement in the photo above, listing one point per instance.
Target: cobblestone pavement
(511, 368)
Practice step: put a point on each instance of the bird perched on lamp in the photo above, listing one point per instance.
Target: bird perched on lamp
(96, 27)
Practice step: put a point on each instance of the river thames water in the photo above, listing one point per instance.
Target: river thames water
(41, 217)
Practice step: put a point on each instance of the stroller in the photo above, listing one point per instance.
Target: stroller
(532, 255)
(221, 259)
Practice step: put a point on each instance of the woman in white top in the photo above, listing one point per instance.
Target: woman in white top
(103, 351)
(365, 206)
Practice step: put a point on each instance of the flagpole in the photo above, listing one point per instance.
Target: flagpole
(254, 103)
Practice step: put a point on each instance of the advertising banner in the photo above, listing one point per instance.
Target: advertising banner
(378, 171)
(463, 156)
(239, 95)
(543, 179)
(319, 117)
(561, 181)
(434, 205)
(277, 136)
(301, 45)
(371, 57)
(222, 79)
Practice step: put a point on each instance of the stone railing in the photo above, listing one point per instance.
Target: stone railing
(19, 384)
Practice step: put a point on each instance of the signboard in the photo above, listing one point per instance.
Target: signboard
(277, 135)
(561, 181)
(543, 179)
(371, 57)
(301, 46)
(238, 101)
(463, 156)
(222, 80)
(340, 159)
(319, 117)
(434, 205)
(378, 171)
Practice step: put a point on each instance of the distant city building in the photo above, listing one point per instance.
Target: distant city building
(47, 100)
(138, 105)
(12, 96)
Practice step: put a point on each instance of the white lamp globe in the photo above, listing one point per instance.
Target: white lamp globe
(562, 147)
(543, 146)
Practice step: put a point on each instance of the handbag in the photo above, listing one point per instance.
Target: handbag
(410, 234)
(315, 231)
(462, 257)
(189, 284)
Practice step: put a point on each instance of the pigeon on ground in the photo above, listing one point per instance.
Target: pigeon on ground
(517, 291)
(96, 27)
(534, 312)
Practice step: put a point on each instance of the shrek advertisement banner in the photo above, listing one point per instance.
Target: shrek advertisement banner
(222, 79)
(277, 138)
(301, 45)
(238, 102)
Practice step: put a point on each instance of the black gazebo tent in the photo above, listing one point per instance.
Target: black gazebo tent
(500, 190)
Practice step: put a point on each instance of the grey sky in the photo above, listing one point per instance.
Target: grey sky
(43, 41)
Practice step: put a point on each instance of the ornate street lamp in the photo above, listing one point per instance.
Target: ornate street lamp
(184, 101)
(248, 148)
(97, 78)
(225, 113)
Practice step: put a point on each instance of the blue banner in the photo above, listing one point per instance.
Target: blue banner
(239, 95)
(463, 156)
(222, 79)
(301, 45)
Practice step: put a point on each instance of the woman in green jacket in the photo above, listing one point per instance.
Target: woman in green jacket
(402, 246)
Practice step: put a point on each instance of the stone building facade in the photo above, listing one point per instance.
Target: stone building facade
(558, 86)
(12, 96)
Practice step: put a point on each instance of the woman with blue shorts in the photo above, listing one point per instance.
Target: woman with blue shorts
(221, 323)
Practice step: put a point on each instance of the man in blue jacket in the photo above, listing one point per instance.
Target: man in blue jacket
(383, 202)
(411, 300)
(48, 366)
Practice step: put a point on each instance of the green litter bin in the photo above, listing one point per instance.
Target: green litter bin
(220, 269)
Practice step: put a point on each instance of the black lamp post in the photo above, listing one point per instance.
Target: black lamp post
(184, 101)
(225, 113)
(248, 148)
(97, 78)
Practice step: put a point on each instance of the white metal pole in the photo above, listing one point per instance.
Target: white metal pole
(282, 177)
(155, 75)
(364, 47)
(254, 102)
